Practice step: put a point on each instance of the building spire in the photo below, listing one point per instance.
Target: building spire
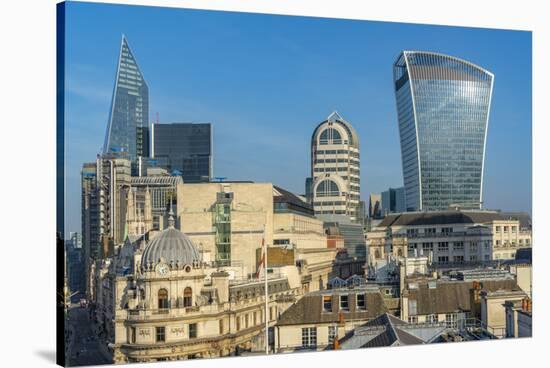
(171, 220)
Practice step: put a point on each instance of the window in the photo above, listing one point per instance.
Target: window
(132, 337)
(497, 228)
(430, 231)
(426, 247)
(443, 259)
(330, 136)
(327, 188)
(255, 318)
(451, 320)
(473, 247)
(221, 326)
(163, 299)
(413, 319)
(473, 258)
(458, 246)
(246, 321)
(187, 297)
(443, 246)
(331, 334)
(486, 244)
(344, 302)
(327, 303)
(192, 330)
(361, 303)
(446, 230)
(505, 229)
(514, 229)
(238, 320)
(309, 337)
(412, 307)
(160, 334)
(458, 259)
(486, 257)
(432, 318)
(498, 243)
(281, 241)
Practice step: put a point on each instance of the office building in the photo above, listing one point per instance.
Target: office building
(335, 173)
(184, 149)
(375, 206)
(393, 201)
(443, 110)
(448, 237)
(128, 125)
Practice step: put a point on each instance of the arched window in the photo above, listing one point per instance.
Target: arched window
(327, 188)
(163, 299)
(330, 136)
(187, 297)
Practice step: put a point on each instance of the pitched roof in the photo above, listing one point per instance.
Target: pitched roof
(449, 297)
(384, 330)
(440, 218)
(309, 309)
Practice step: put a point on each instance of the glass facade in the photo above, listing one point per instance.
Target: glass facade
(127, 129)
(443, 108)
(186, 148)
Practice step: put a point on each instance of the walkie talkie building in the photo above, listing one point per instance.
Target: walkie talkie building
(443, 110)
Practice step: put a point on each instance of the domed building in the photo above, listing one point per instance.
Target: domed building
(162, 301)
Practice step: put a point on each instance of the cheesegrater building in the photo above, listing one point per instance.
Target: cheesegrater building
(443, 110)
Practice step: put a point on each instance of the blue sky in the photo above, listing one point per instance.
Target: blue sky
(266, 81)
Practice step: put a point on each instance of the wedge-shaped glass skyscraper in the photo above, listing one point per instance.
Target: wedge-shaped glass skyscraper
(443, 109)
(127, 129)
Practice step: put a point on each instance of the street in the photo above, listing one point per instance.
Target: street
(84, 344)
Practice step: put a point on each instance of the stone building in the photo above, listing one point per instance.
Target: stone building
(160, 300)
(451, 237)
(232, 219)
(320, 318)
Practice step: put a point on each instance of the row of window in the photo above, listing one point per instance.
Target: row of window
(360, 302)
(160, 333)
(309, 336)
(444, 246)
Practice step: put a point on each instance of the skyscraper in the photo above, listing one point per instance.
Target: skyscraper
(184, 147)
(443, 109)
(127, 129)
(335, 184)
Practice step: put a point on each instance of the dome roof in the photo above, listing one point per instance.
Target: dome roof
(172, 246)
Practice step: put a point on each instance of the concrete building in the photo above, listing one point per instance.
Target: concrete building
(335, 169)
(318, 319)
(162, 190)
(453, 301)
(493, 308)
(512, 231)
(448, 237)
(113, 182)
(232, 219)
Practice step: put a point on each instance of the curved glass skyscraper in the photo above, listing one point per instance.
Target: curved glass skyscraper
(443, 109)
(127, 129)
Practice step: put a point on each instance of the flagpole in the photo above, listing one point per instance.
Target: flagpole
(266, 298)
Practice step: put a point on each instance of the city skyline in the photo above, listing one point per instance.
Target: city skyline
(271, 125)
